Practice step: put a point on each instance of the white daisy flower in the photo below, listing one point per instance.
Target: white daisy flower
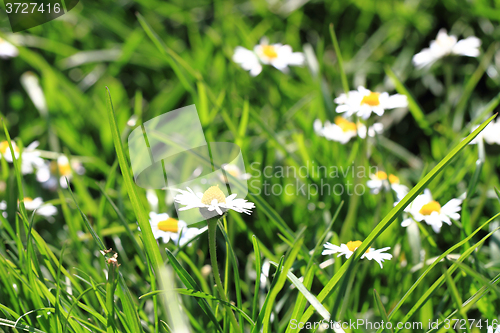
(343, 130)
(349, 248)
(168, 228)
(277, 55)
(42, 209)
(213, 199)
(490, 134)
(363, 102)
(30, 157)
(424, 208)
(381, 181)
(7, 50)
(446, 45)
(234, 171)
(49, 172)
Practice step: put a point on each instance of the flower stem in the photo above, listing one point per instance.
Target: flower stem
(212, 230)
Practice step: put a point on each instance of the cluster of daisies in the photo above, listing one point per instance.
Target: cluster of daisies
(354, 109)
(49, 173)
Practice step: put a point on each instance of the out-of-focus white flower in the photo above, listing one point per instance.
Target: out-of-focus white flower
(43, 209)
(213, 199)
(446, 45)
(152, 199)
(349, 248)
(7, 50)
(30, 157)
(57, 171)
(167, 228)
(363, 102)
(490, 134)
(381, 181)
(277, 55)
(424, 208)
(343, 130)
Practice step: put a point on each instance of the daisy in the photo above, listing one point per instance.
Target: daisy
(30, 158)
(446, 45)
(234, 171)
(42, 209)
(167, 228)
(380, 180)
(343, 130)
(349, 248)
(212, 199)
(277, 55)
(7, 50)
(48, 173)
(424, 208)
(363, 102)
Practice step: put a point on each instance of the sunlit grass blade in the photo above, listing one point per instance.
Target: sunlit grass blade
(201, 294)
(258, 270)
(190, 283)
(149, 241)
(336, 46)
(381, 308)
(415, 109)
(281, 282)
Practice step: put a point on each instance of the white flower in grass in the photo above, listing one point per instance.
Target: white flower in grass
(490, 134)
(349, 248)
(42, 209)
(343, 130)
(7, 50)
(213, 199)
(234, 171)
(57, 171)
(363, 102)
(167, 228)
(424, 208)
(30, 157)
(446, 45)
(277, 55)
(381, 181)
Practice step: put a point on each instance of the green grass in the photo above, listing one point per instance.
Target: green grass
(151, 57)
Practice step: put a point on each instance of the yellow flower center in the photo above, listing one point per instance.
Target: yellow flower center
(430, 207)
(212, 193)
(64, 168)
(169, 225)
(393, 179)
(269, 51)
(353, 245)
(371, 99)
(4, 145)
(381, 175)
(345, 124)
